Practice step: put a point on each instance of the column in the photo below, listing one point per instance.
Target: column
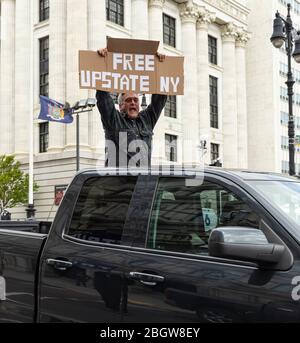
(189, 109)
(156, 21)
(57, 71)
(96, 40)
(23, 31)
(229, 122)
(76, 40)
(242, 39)
(7, 76)
(156, 33)
(139, 19)
(203, 77)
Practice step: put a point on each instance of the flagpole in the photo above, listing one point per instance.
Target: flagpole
(31, 210)
(77, 142)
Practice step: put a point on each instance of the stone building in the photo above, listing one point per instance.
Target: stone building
(266, 89)
(211, 34)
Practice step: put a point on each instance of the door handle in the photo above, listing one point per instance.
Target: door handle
(59, 264)
(146, 279)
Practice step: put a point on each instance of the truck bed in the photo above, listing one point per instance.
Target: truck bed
(19, 258)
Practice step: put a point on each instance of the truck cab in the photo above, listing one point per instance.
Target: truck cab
(208, 246)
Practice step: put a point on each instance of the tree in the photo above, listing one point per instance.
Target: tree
(14, 183)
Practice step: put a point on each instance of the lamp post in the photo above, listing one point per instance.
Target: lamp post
(84, 105)
(284, 32)
(144, 102)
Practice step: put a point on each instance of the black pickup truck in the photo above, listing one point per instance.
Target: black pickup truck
(222, 246)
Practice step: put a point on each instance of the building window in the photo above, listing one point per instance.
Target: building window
(169, 29)
(213, 96)
(171, 148)
(284, 167)
(212, 50)
(284, 142)
(284, 118)
(170, 108)
(115, 11)
(44, 10)
(44, 136)
(44, 66)
(214, 152)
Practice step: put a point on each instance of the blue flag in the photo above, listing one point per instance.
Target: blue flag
(52, 110)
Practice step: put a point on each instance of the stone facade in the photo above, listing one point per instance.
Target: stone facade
(266, 77)
(82, 24)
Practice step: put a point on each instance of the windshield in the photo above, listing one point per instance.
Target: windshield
(285, 196)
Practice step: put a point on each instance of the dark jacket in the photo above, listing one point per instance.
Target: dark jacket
(132, 138)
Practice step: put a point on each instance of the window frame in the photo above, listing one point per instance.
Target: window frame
(44, 66)
(171, 107)
(236, 187)
(154, 202)
(171, 34)
(119, 16)
(212, 50)
(82, 179)
(168, 158)
(44, 12)
(213, 152)
(43, 138)
(214, 102)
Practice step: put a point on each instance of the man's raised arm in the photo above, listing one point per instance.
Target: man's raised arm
(158, 102)
(105, 103)
(107, 109)
(153, 111)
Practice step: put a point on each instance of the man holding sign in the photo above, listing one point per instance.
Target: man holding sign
(128, 132)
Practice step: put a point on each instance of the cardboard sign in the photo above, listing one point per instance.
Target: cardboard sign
(131, 65)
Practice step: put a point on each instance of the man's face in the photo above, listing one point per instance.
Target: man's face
(131, 105)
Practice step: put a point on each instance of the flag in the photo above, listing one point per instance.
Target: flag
(52, 110)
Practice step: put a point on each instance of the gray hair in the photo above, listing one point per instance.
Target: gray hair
(121, 98)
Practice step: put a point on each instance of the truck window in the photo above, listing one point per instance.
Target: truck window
(101, 209)
(183, 215)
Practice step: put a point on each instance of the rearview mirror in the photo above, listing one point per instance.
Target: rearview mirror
(244, 243)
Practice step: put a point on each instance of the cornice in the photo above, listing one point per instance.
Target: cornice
(156, 3)
(230, 7)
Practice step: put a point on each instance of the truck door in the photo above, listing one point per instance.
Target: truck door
(82, 277)
(172, 278)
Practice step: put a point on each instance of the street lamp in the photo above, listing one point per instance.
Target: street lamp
(144, 102)
(84, 105)
(284, 32)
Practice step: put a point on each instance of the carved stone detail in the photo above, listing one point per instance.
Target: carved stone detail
(242, 37)
(228, 7)
(229, 31)
(189, 12)
(205, 17)
(156, 3)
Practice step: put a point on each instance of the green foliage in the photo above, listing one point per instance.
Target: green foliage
(13, 183)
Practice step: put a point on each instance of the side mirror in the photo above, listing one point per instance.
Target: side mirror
(242, 243)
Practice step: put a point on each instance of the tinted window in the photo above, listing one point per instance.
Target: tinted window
(101, 209)
(184, 215)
